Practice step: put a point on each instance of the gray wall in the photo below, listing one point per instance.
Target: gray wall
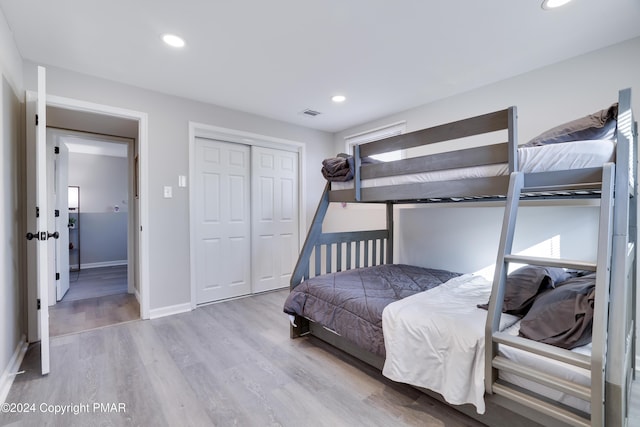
(103, 182)
(545, 97)
(12, 242)
(169, 116)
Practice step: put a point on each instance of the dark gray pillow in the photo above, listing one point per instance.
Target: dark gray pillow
(525, 283)
(599, 125)
(563, 316)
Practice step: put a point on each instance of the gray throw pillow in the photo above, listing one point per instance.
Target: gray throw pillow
(599, 125)
(525, 283)
(562, 316)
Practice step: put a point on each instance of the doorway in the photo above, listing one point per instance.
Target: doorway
(92, 287)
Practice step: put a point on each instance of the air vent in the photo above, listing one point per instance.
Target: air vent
(311, 113)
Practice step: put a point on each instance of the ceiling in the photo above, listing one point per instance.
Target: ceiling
(280, 57)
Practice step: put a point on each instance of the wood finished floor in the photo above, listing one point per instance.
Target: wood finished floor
(97, 297)
(96, 282)
(227, 364)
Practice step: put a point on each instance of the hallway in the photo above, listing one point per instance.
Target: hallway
(97, 297)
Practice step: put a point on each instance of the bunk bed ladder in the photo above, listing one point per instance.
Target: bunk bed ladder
(519, 184)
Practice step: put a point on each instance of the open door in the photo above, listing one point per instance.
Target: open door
(57, 193)
(37, 217)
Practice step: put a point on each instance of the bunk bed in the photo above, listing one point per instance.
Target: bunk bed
(520, 378)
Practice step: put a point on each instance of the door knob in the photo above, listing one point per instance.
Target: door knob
(42, 235)
(31, 236)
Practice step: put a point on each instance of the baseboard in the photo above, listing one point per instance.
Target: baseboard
(103, 264)
(170, 310)
(13, 367)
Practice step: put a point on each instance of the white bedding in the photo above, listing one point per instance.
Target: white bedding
(435, 339)
(568, 155)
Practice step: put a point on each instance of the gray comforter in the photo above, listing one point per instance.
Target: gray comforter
(351, 302)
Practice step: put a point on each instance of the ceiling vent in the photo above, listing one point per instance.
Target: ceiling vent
(311, 113)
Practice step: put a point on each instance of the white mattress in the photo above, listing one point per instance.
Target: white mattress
(435, 340)
(568, 155)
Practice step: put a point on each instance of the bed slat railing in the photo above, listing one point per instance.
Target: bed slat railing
(485, 154)
(478, 125)
(332, 252)
(335, 252)
(469, 157)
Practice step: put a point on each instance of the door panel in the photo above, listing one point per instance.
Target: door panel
(44, 244)
(37, 220)
(223, 228)
(275, 217)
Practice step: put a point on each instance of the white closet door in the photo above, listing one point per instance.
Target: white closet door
(223, 220)
(275, 217)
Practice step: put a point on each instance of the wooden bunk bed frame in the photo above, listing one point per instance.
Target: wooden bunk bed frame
(612, 362)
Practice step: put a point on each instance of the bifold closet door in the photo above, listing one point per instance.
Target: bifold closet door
(274, 206)
(223, 220)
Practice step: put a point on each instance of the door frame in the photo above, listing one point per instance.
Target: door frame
(201, 130)
(59, 136)
(143, 294)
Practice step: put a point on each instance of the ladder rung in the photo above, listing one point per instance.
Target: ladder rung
(569, 387)
(541, 406)
(551, 262)
(542, 349)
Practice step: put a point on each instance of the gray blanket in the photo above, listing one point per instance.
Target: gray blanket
(351, 302)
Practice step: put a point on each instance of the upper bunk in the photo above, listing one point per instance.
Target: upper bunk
(565, 161)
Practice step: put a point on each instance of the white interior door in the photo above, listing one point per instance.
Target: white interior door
(57, 182)
(223, 220)
(274, 208)
(37, 221)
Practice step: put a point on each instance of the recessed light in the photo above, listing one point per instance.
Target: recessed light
(552, 4)
(173, 40)
(338, 98)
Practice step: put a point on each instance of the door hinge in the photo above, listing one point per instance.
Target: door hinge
(37, 212)
(56, 150)
(57, 276)
(56, 213)
(38, 303)
(36, 120)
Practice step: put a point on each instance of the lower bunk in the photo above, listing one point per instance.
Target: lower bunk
(425, 327)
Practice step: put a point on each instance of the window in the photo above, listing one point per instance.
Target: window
(376, 134)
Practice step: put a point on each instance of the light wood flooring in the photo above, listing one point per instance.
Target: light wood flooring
(226, 364)
(96, 282)
(96, 298)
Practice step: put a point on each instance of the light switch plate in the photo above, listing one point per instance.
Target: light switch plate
(168, 192)
(182, 181)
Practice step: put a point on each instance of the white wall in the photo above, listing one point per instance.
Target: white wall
(12, 242)
(169, 116)
(103, 182)
(438, 236)
(544, 98)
